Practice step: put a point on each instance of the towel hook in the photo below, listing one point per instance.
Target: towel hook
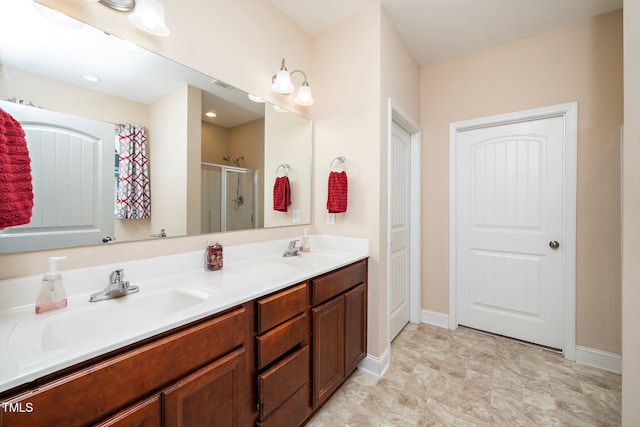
(341, 159)
(286, 168)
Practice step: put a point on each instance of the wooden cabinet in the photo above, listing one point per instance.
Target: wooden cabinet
(339, 328)
(209, 397)
(142, 414)
(282, 357)
(328, 349)
(272, 362)
(115, 384)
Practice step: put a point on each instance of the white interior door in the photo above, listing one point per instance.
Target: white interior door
(400, 220)
(73, 172)
(509, 219)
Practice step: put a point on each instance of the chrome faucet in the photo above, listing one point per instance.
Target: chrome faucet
(117, 288)
(162, 233)
(292, 250)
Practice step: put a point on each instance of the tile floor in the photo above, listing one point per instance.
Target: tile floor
(439, 377)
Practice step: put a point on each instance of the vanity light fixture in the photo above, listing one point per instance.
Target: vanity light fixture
(282, 84)
(120, 5)
(149, 16)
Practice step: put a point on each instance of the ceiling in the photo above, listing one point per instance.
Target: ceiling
(43, 42)
(441, 30)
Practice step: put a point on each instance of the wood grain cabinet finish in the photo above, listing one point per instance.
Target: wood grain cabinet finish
(142, 414)
(90, 394)
(272, 361)
(283, 357)
(355, 327)
(209, 397)
(339, 319)
(282, 380)
(280, 307)
(328, 349)
(281, 339)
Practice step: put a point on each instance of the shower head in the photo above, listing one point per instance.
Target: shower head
(236, 162)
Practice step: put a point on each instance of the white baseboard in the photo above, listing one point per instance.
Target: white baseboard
(585, 355)
(375, 365)
(599, 359)
(434, 318)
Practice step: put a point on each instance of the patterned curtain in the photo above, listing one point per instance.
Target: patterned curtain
(134, 192)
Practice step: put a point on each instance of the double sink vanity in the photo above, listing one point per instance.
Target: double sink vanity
(266, 340)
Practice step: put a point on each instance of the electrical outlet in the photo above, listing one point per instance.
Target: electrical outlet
(296, 216)
(331, 218)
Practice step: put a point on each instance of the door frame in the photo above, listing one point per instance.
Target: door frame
(398, 115)
(569, 113)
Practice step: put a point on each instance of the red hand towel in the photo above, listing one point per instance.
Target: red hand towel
(16, 194)
(281, 194)
(337, 194)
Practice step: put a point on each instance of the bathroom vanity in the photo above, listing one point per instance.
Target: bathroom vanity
(270, 358)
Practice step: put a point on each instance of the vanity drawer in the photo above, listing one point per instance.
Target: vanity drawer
(115, 383)
(279, 382)
(281, 339)
(292, 412)
(281, 307)
(328, 286)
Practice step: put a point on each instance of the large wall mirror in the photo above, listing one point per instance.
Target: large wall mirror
(77, 90)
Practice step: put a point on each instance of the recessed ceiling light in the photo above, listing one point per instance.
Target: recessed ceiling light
(210, 114)
(255, 98)
(90, 78)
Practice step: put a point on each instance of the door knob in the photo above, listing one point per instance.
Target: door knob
(554, 244)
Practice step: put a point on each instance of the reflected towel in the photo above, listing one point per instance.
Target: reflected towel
(337, 192)
(281, 194)
(16, 190)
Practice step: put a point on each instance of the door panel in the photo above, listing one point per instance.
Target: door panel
(73, 172)
(509, 207)
(400, 194)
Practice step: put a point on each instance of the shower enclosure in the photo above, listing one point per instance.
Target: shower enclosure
(229, 198)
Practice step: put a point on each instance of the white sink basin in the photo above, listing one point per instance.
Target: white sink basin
(312, 259)
(98, 321)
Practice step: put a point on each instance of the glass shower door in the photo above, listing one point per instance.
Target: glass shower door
(240, 199)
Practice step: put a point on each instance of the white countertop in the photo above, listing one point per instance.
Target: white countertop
(174, 290)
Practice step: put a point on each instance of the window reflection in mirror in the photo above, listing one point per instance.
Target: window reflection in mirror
(171, 102)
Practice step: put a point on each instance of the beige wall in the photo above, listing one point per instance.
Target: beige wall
(346, 116)
(580, 62)
(215, 143)
(357, 66)
(248, 140)
(631, 219)
(265, 36)
(168, 159)
(70, 99)
(286, 141)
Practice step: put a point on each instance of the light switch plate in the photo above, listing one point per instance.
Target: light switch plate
(296, 216)
(331, 218)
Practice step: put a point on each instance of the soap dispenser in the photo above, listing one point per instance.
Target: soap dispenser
(52, 295)
(305, 241)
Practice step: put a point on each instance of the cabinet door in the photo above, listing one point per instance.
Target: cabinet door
(208, 397)
(328, 349)
(355, 332)
(143, 414)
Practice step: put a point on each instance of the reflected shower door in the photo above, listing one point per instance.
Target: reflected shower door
(228, 200)
(240, 200)
(211, 199)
